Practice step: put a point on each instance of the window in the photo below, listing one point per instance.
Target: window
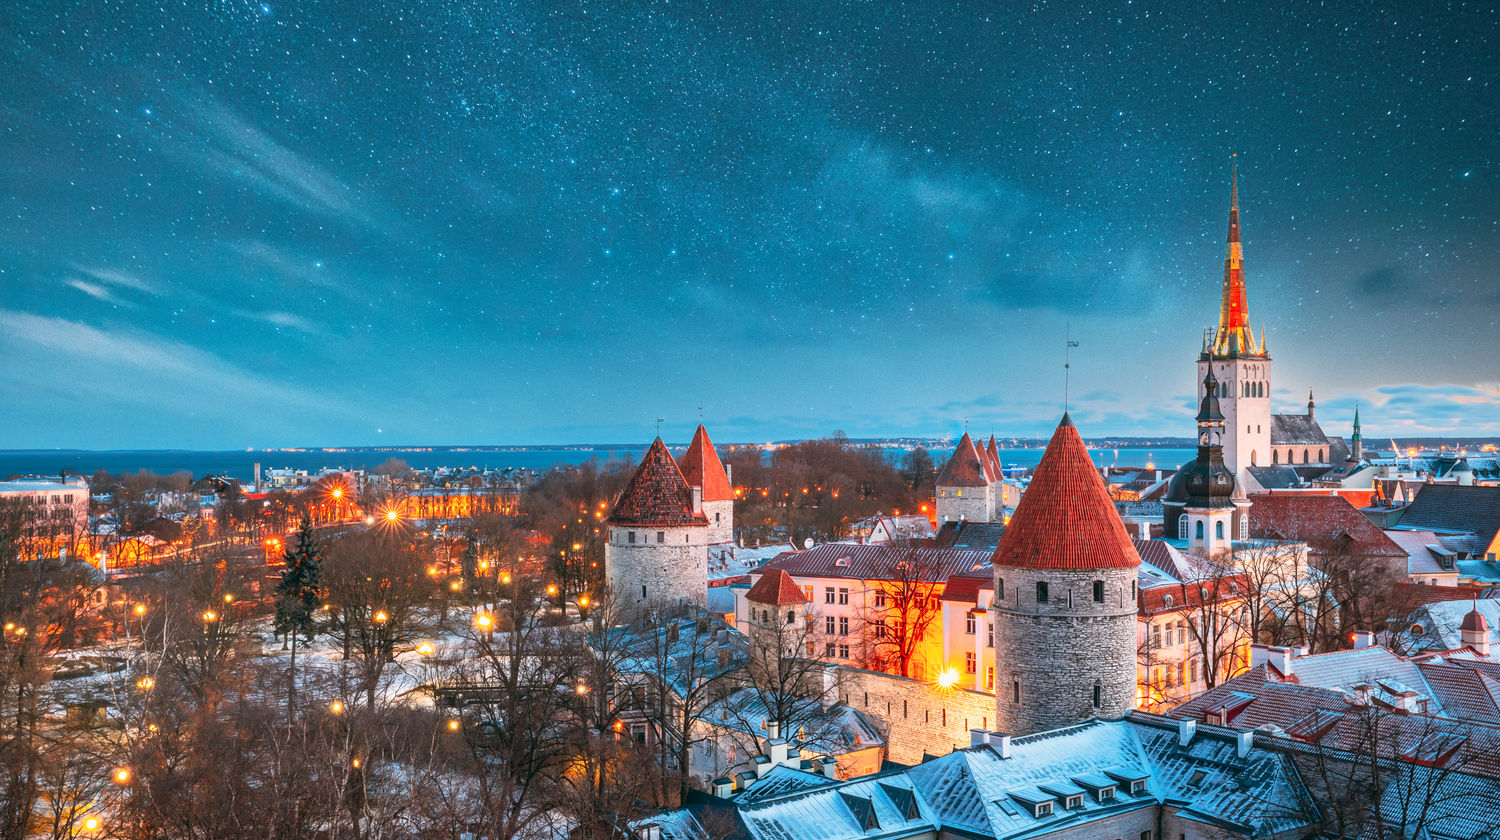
(791, 617)
(1155, 636)
(1145, 835)
(1244, 527)
(1098, 591)
(632, 536)
(1219, 530)
(1182, 527)
(1192, 671)
(880, 597)
(828, 622)
(843, 596)
(661, 537)
(1198, 532)
(1132, 589)
(1015, 691)
(970, 665)
(828, 595)
(843, 651)
(1098, 695)
(807, 591)
(989, 679)
(1041, 592)
(811, 650)
(716, 518)
(828, 651)
(880, 629)
(1000, 590)
(969, 623)
(1073, 803)
(1044, 809)
(843, 625)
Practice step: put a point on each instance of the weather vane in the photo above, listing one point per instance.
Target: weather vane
(1068, 346)
(659, 421)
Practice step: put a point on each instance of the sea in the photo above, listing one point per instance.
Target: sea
(240, 464)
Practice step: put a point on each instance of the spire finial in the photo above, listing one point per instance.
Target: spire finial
(1234, 337)
(1068, 345)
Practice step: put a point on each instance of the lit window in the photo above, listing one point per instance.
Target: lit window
(970, 664)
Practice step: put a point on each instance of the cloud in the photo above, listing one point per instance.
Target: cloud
(1418, 409)
(118, 278)
(127, 367)
(1386, 282)
(286, 320)
(95, 291)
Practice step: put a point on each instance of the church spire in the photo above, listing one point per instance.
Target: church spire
(1357, 441)
(1234, 336)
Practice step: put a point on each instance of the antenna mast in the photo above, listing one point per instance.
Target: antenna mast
(1068, 346)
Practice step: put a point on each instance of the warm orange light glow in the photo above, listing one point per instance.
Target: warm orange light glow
(453, 725)
(338, 492)
(336, 707)
(484, 621)
(210, 616)
(380, 617)
(355, 762)
(91, 824)
(576, 546)
(145, 683)
(122, 775)
(551, 589)
(228, 598)
(455, 586)
(425, 648)
(140, 609)
(948, 678)
(583, 600)
(369, 520)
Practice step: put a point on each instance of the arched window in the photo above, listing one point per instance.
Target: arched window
(1199, 530)
(1182, 527)
(1244, 527)
(1219, 530)
(1275, 457)
(1304, 456)
(1252, 455)
(1321, 457)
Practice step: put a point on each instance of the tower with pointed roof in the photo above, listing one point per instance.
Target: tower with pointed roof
(1356, 440)
(705, 474)
(966, 487)
(1238, 361)
(1203, 506)
(1065, 598)
(656, 553)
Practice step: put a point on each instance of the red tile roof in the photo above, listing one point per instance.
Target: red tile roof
(1410, 596)
(1320, 521)
(702, 468)
(1065, 519)
(992, 454)
(1192, 595)
(875, 562)
(777, 588)
(965, 468)
(657, 494)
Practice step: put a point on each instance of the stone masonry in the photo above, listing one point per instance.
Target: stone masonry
(647, 566)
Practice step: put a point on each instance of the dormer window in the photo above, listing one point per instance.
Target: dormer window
(1073, 803)
(1137, 787)
(1042, 809)
(1107, 794)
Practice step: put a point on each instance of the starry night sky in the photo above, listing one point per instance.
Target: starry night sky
(230, 224)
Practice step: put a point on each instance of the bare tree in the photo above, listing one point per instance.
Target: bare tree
(375, 582)
(905, 608)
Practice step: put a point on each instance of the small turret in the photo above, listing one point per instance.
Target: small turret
(1310, 404)
(1475, 631)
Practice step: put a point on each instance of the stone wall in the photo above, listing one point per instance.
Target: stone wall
(720, 521)
(1057, 652)
(975, 505)
(650, 572)
(918, 717)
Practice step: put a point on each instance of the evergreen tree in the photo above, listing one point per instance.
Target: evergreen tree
(297, 597)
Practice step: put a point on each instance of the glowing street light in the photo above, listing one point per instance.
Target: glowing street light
(583, 600)
(338, 492)
(336, 707)
(380, 617)
(392, 515)
(948, 678)
(140, 609)
(425, 648)
(369, 520)
(145, 683)
(551, 589)
(122, 775)
(228, 598)
(484, 621)
(209, 616)
(455, 586)
(91, 824)
(453, 724)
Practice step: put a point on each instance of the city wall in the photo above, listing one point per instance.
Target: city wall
(918, 717)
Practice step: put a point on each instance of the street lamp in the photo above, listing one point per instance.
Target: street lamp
(122, 775)
(425, 648)
(453, 724)
(336, 707)
(209, 616)
(380, 617)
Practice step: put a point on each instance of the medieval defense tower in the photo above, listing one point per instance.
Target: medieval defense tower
(705, 473)
(1065, 598)
(656, 553)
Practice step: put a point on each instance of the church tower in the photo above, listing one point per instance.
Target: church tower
(1356, 441)
(705, 473)
(1065, 598)
(656, 553)
(1201, 506)
(1239, 364)
(965, 488)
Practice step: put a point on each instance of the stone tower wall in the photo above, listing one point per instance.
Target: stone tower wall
(975, 505)
(720, 521)
(672, 569)
(1059, 650)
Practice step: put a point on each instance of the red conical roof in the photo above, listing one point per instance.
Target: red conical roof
(993, 453)
(776, 587)
(965, 468)
(1065, 519)
(702, 468)
(657, 494)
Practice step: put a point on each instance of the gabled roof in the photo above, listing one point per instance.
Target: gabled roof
(777, 588)
(657, 494)
(1297, 430)
(1320, 521)
(1455, 508)
(875, 562)
(965, 468)
(702, 468)
(962, 533)
(1065, 519)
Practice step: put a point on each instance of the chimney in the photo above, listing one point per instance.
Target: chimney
(762, 766)
(1185, 731)
(1362, 693)
(829, 767)
(776, 749)
(977, 737)
(1362, 639)
(1244, 742)
(1000, 743)
(1145, 530)
(697, 499)
(773, 729)
(723, 787)
(1279, 658)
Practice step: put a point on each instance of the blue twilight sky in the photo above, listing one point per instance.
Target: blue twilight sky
(228, 223)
